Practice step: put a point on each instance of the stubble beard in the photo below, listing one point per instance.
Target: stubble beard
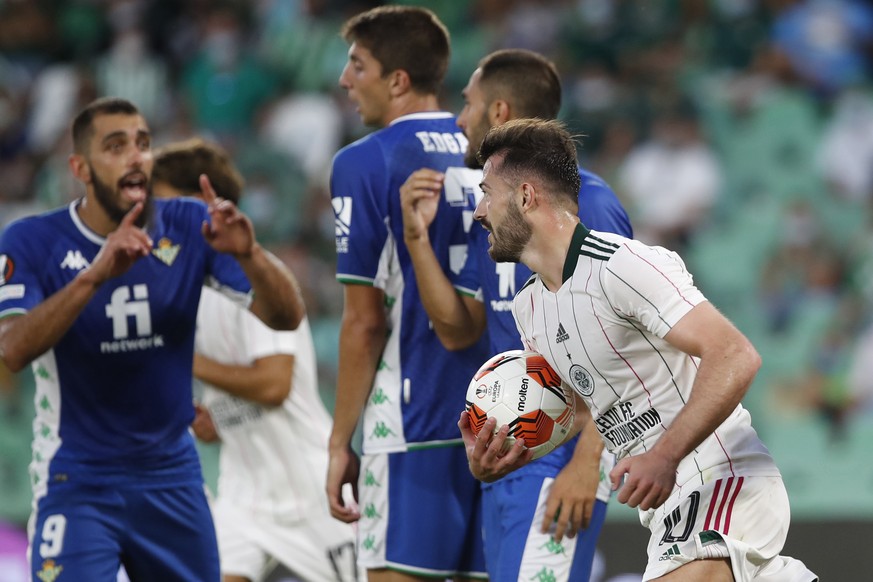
(108, 199)
(510, 239)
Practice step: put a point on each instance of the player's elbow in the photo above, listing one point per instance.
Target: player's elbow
(457, 341)
(14, 359)
(275, 394)
(285, 321)
(14, 364)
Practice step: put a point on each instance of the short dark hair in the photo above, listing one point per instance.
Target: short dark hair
(408, 38)
(180, 164)
(528, 80)
(83, 123)
(540, 147)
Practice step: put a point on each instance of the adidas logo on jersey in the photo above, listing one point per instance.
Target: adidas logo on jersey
(562, 334)
(671, 551)
(75, 261)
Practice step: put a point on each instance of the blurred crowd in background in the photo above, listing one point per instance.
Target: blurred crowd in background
(737, 132)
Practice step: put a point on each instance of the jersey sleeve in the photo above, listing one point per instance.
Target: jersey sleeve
(469, 280)
(224, 272)
(20, 286)
(600, 209)
(264, 341)
(650, 285)
(358, 185)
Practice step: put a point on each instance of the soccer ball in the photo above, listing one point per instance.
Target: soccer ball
(520, 389)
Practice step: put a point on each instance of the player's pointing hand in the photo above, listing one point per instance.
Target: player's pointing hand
(123, 247)
(230, 231)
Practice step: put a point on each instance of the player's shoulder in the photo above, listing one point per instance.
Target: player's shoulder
(593, 186)
(43, 224)
(180, 209)
(361, 154)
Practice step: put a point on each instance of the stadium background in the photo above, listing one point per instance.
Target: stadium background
(751, 121)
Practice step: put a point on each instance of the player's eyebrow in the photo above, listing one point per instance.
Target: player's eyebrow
(140, 133)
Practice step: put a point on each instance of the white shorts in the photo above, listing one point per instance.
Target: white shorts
(316, 547)
(743, 519)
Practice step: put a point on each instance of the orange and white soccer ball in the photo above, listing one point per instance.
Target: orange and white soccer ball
(520, 389)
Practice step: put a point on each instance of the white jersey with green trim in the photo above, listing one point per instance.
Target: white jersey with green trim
(273, 460)
(603, 331)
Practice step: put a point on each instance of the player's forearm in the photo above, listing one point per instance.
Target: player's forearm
(26, 337)
(589, 446)
(278, 301)
(267, 382)
(360, 350)
(454, 324)
(723, 378)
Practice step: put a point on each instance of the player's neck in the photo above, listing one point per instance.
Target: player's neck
(546, 252)
(94, 217)
(410, 103)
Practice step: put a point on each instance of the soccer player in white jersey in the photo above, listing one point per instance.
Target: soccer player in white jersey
(661, 370)
(101, 297)
(261, 401)
(526, 514)
(420, 516)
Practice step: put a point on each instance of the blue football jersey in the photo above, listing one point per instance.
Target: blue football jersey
(419, 389)
(497, 283)
(113, 396)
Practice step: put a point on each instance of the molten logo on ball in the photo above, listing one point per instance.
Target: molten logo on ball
(520, 389)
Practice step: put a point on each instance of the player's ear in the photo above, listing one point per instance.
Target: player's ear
(399, 82)
(80, 168)
(529, 196)
(499, 112)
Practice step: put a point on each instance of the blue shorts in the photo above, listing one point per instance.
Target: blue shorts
(421, 514)
(516, 549)
(85, 532)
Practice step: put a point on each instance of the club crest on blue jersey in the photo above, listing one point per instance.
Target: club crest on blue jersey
(49, 571)
(7, 268)
(166, 251)
(582, 380)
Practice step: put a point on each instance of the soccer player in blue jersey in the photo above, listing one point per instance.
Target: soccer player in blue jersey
(527, 513)
(101, 297)
(419, 506)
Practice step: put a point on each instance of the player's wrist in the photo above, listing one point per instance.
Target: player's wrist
(252, 254)
(89, 278)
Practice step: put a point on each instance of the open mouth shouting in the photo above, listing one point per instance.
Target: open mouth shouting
(133, 187)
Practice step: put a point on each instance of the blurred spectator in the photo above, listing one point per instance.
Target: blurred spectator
(671, 180)
(308, 128)
(225, 84)
(845, 155)
(828, 42)
(128, 69)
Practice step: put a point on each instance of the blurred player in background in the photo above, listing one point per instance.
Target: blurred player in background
(420, 513)
(261, 401)
(527, 513)
(101, 297)
(662, 371)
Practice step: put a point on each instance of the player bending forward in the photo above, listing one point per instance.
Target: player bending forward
(662, 371)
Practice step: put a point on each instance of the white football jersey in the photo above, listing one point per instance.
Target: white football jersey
(603, 332)
(273, 461)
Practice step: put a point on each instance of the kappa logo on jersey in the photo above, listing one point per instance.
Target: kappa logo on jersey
(7, 267)
(581, 378)
(342, 209)
(562, 334)
(75, 261)
(166, 251)
(120, 309)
